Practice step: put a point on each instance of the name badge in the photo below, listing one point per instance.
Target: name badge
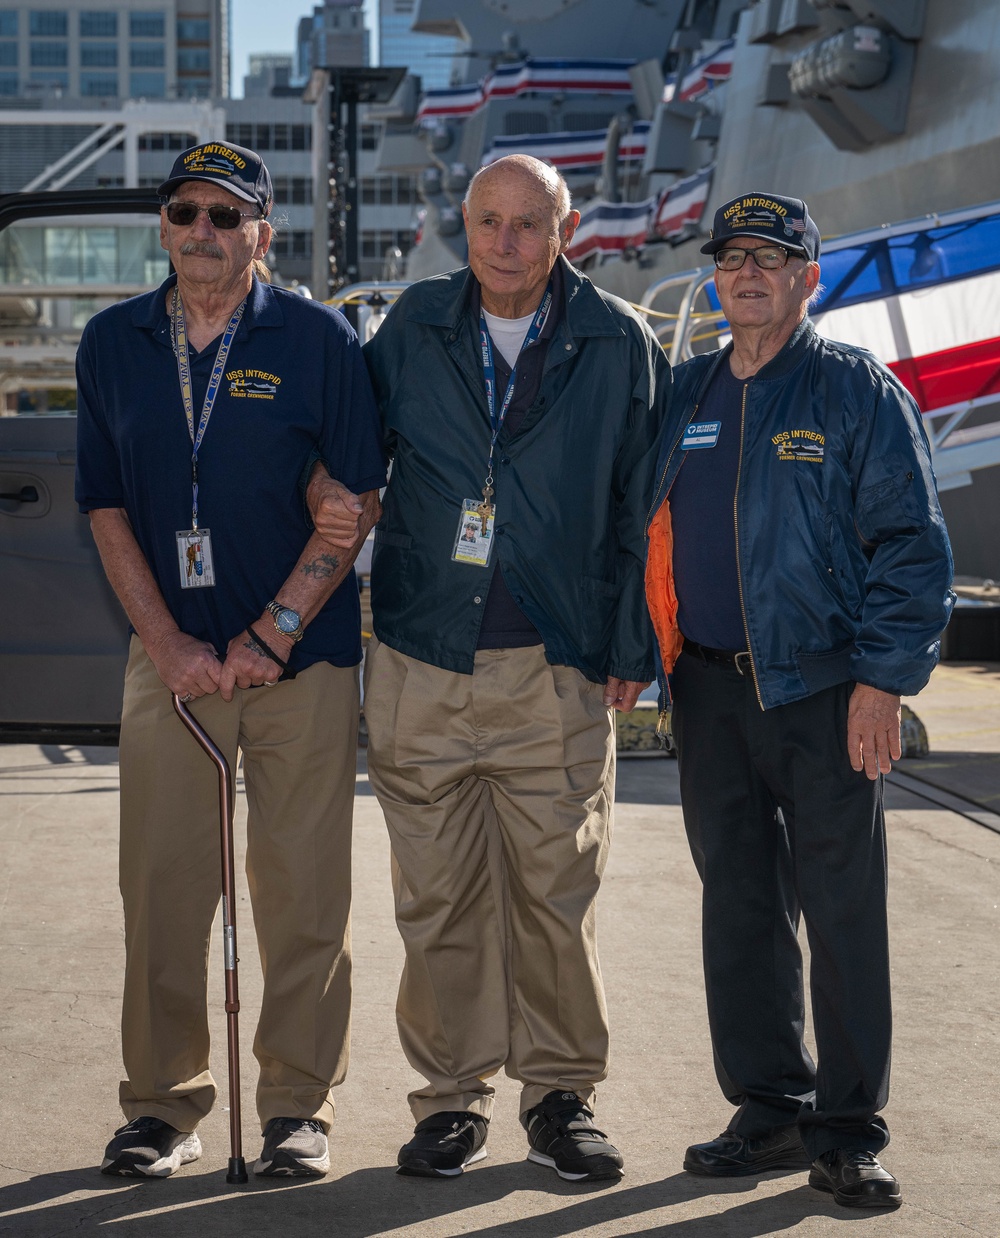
(194, 558)
(701, 434)
(474, 539)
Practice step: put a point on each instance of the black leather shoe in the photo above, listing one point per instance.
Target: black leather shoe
(443, 1144)
(855, 1179)
(732, 1156)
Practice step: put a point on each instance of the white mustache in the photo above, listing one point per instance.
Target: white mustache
(203, 249)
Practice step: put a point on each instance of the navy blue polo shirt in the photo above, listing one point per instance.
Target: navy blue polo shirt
(702, 517)
(294, 383)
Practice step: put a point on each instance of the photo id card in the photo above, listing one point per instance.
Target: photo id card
(474, 539)
(194, 557)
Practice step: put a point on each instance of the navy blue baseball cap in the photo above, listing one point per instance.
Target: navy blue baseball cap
(233, 168)
(770, 217)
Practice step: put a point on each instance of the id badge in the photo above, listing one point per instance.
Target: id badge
(194, 558)
(474, 539)
(700, 434)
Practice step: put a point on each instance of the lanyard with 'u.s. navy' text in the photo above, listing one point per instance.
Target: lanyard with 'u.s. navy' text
(179, 330)
(489, 373)
(194, 545)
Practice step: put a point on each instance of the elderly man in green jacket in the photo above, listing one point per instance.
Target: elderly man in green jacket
(520, 407)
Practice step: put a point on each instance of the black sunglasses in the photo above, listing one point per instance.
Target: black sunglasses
(183, 214)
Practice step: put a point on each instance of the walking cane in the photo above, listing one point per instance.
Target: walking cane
(237, 1165)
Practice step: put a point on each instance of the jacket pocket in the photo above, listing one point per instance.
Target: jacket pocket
(601, 588)
(401, 541)
(846, 573)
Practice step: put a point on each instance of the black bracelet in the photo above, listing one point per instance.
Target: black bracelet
(270, 652)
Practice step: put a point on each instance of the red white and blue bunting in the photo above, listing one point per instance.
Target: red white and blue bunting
(710, 69)
(612, 227)
(532, 76)
(571, 152)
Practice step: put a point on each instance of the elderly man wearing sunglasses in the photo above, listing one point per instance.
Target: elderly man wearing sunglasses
(199, 407)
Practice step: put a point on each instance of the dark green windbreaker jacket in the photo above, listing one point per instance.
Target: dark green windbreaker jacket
(572, 485)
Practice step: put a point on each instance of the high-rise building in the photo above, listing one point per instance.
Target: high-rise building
(334, 34)
(151, 49)
(427, 56)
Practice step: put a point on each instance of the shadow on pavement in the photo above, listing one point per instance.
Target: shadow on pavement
(372, 1202)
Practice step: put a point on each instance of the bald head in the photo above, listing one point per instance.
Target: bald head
(536, 174)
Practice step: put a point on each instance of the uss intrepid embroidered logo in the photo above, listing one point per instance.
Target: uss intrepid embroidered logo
(252, 384)
(800, 445)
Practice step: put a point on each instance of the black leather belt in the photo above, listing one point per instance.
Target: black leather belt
(739, 661)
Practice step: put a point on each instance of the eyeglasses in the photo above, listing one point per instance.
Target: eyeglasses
(225, 218)
(767, 258)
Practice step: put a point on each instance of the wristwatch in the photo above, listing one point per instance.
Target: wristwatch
(287, 621)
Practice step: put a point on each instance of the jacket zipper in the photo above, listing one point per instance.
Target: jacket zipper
(736, 530)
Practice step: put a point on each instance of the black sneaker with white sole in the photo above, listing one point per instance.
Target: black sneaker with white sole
(149, 1148)
(563, 1136)
(293, 1148)
(443, 1144)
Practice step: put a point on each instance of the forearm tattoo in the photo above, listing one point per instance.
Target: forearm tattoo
(322, 568)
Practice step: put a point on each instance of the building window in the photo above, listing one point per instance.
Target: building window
(193, 30)
(147, 56)
(8, 53)
(194, 87)
(166, 141)
(99, 55)
(8, 84)
(147, 85)
(292, 190)
(292, 245)
(193, 60)
(49, 55)
(147, 25)
(104, 85)
(8, 23)
(98, 25)
(49, 22)
(50, 80)
(369, 137)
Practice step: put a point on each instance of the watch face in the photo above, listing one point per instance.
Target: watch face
(287, 622)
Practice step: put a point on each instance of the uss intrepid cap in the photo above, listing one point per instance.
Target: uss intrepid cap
(234, 168)
(769, 217)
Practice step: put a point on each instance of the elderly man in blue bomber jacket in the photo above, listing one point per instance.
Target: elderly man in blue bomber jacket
(798, 575)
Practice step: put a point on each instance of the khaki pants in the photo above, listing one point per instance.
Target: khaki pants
(299, 742)
(496, 789)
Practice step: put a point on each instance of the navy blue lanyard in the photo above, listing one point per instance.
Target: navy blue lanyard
(489, 370)
(179, 330)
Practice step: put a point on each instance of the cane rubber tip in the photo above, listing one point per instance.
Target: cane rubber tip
(237, 1170)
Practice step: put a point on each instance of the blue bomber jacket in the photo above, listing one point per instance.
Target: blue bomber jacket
(843, 559)
(573, 482)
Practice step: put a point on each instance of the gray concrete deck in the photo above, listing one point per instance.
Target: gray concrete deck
(60, 975)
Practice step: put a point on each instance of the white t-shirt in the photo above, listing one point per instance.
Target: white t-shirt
(508, 334)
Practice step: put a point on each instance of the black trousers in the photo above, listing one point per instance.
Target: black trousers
(779, 824)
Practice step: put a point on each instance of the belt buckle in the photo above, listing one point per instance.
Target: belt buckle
(743, 663)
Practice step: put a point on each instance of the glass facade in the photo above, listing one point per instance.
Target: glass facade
(49, 55)
(147, 55)
(98, 85)
(147, 25)
(94, 25)
(147, 85)
(48, 22)
(8, 23)
(8, 54)
(99, 55)
(429, 56)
